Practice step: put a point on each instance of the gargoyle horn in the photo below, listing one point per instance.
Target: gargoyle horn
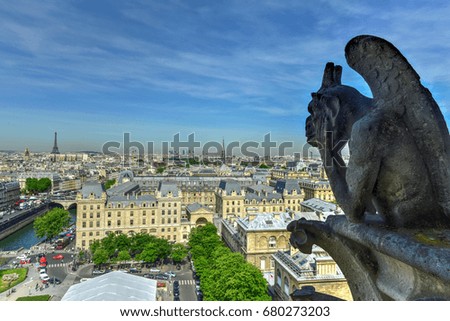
(331, 75)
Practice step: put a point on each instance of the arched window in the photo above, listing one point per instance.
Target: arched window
(272, 241)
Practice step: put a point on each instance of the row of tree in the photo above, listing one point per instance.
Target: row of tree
(139, 247)
(224, 275)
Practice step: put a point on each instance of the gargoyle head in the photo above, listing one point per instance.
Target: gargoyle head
(333, 108)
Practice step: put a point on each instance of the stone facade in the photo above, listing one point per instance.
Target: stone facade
(317, 269)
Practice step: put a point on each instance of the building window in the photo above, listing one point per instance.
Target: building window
(286, 286)
(83, 243)
(169, 212)
(163, 221)
(131, 213)
(91, 234)
(83, 224)
(84, 215)
(131, 205)
(98, 207)
(163, 212)
(91, 207)
(144, 221)
(168, 220)
(97, 233)
(153, 221)
(131, 222)
(153, 212)
(83, 234)
(278, 278)
(109, 223)
(91, 215)
(84, 207)
(109, 214)
(98, 224)
(163, 229)
(91, 224)
(98, 214)
(174, 212)
(118, 223)
(272, 241)
(144, 213)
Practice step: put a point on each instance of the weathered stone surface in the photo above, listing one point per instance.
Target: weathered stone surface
(399, 143)
(394, 241)
(380, 263)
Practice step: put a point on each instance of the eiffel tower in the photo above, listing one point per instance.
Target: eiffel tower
(55, 149)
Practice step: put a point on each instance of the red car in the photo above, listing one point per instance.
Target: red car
(58, 257)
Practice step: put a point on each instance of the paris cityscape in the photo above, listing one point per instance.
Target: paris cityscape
(159, 151)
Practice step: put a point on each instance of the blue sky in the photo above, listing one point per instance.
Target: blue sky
(93, 70)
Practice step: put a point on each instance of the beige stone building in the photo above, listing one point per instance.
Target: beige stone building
(258, 236)
(317, 269)
(317, 189)
(124, 209)
(234, 201)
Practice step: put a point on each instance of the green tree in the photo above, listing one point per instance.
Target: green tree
(149, 254)
(122, 242)
(263, 166)
(34, 185)
(110, 183)
(109, 244)
(123, 256)
(160, 169)
(224, 275)
(51, 223)
(100, 256)
(139, 241)
(179, 252)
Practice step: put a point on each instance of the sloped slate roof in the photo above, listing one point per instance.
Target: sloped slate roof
(113, 286)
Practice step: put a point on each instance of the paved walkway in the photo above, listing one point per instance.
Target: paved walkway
(28, 287)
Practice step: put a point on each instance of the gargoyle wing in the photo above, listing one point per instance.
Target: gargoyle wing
(397, 91)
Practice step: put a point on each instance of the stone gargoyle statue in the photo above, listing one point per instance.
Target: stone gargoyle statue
(399, 165)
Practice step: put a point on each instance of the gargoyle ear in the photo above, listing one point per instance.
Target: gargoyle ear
(333, 106)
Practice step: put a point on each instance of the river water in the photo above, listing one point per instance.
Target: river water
(25, 237)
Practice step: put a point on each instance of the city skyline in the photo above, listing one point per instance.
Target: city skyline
(222, 70)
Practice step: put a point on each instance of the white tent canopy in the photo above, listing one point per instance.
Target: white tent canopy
(113, 286)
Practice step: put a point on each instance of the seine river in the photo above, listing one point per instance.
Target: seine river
(25, 237)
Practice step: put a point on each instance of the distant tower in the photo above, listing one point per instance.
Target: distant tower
(224, 160)
(55, 149)
(27, 154)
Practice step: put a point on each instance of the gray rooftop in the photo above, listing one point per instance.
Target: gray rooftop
(230, 186)
(288, 185)
(317, 204)
(122, 189)
(92, 187)
(265, 221)
(167, 187)
(113, 286)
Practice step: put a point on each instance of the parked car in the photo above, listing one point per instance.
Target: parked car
(58, 257)
(170, 273)
(155, 270)
(97, 272)
(176, 283)
(176, 298)
(161, 277)
(149, 276)
(21, 257)
(134, 270)
(44, 277)
(54, 280)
